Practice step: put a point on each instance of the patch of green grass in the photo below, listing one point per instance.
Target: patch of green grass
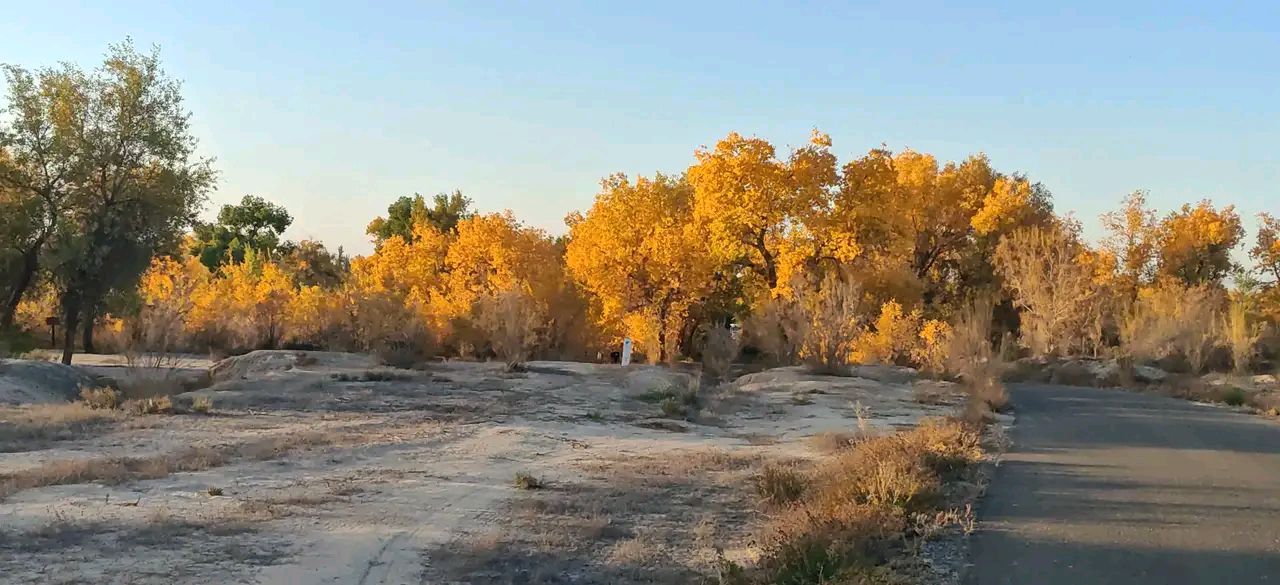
(1234, 396)
(674, 402)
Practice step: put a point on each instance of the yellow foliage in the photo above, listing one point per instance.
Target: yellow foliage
(748, 199)
(935, 340)
(639, 251)
(895, 336)
(1008, 203)
(1196, 242)
(247, 306)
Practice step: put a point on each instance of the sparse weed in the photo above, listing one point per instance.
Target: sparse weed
(154, 405)
(202, 405)
(100, 398)
(527, 481)
(778, 485)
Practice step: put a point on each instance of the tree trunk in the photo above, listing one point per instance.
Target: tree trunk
(90, 316)
(30, 263)
(71, 319)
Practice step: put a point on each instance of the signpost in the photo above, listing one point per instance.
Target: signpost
(626, 351)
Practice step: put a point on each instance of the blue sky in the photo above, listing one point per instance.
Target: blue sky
(334, 110)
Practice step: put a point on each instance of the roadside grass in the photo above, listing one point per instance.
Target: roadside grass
(860, 507)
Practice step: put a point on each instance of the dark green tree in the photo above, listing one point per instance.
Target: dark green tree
(135, 185)
(254, 224)
(447, 209)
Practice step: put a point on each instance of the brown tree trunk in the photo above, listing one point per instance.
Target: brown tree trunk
(90, 316)
(71, 317)
(30, 263)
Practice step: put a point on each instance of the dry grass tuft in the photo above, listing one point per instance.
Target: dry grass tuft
(861, 503)
(31, 427)
(832, 442)
(202, 405)
(117, 470)
(100, 398)
(152, 405)
(779, 485)
(527, 481)
(971, 358)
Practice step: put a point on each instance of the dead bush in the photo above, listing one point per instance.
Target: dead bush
(832, 442)
(152, 405)
(860, 505)
(1171, 319)
(776, 329)
(100, 398)
(835, 319)
(202, 405)
(719, 349)
(510, 322)
(30, 427)
(972, 359)
(779, 485)
(1240, 333)
(527, 481)
(1053, 286)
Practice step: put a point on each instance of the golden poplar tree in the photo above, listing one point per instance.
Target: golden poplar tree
(640, 252)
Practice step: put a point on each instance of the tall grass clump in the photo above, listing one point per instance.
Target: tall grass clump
(856, 508)
(972, 359)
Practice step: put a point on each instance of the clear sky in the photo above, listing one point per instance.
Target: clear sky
(335, 109)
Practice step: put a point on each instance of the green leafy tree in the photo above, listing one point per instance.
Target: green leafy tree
(38, 168)
(444, 214)
(136, 180)
(253, 224)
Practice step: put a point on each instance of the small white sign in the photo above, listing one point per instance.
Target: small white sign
(626, 351)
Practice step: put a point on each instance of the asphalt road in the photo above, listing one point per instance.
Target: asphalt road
(1105, 486)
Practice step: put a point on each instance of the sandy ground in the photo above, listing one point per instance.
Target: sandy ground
(346, 473)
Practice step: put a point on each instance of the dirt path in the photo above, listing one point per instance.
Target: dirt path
(1104, 486)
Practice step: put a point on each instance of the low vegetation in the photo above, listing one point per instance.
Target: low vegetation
(116, 470)
(527, 481)
(29, 427)
(843, 521)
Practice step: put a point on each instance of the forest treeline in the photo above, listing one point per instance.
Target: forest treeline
(794, 256)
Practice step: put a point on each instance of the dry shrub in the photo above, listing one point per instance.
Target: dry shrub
(152, 405)
(510, 321)
(820, 325)
(859, 504)
(832, 442)
(29, 427)
(390, 329)
(100, 398)
(719, 350)
(1240, 334)
(1051, 275)
(202, 405)
(834, 321)
(776, 329)
(971, 358)
(884, 471)
(1171, 319)
(779, 485)
(527, 481)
